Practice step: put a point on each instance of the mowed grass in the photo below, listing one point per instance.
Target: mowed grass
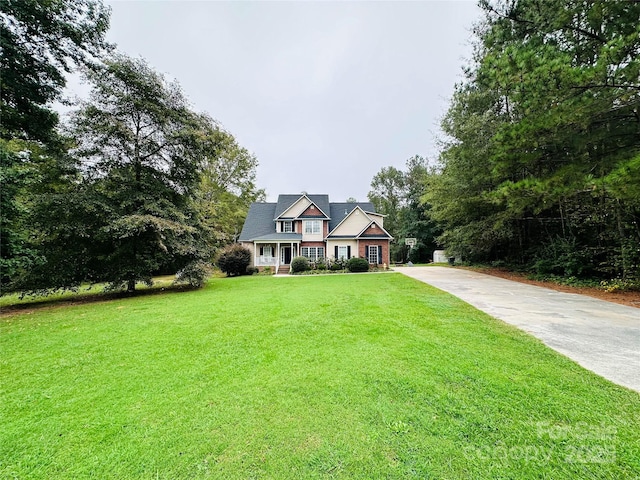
(83, 293)
(343, 376)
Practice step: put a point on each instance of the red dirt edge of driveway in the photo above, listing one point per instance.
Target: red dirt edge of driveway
(629, 298)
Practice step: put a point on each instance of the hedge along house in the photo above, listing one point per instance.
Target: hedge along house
(311, 226)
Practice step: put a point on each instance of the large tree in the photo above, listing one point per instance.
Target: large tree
(397, 194)
(41, 42)
(388, 196)
(416, 221)
(16, 256)
(141, 151)
(227, 185)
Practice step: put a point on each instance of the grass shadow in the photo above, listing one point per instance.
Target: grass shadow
(80, 298)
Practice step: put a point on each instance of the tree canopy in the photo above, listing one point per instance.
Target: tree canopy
(40, 42)
(397, 194)
(142, 185)
(542, 161)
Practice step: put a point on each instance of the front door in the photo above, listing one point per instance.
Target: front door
(286, 255)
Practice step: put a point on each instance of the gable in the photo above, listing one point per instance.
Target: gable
(294, 206)
(374, 230)
(345, 220)
(339, 211)
(312, 211)
(376, 217)
(352, 225)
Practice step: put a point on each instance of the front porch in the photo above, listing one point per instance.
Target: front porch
(276, 255)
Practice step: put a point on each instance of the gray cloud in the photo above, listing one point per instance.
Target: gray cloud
(324, 93)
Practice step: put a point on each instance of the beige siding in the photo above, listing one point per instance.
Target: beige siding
(331, 246)
(379, 219)
(297, 208)
(313, 237)
(353, 224)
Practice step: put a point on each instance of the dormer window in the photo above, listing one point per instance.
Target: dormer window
(287, 227)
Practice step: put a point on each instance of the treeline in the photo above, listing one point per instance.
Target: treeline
(541, 164)
(133, 184)
(398, 194)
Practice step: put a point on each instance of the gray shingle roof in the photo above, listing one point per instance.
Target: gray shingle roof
(259, 221)
(260, 218)
(286, 200)
(340, 210)
(279, 237)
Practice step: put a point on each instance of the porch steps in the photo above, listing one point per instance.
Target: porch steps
(283, 270)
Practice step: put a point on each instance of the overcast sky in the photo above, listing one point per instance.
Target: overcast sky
(324, 93)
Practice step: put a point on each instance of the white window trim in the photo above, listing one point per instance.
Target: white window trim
(310, 227)
(373, 255)
(318, 253)
(288, 224)
(343, 252)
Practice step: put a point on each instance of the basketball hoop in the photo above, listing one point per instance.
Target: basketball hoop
(410, 242)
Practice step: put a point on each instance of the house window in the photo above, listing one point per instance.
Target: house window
(343, 252)
(372, 256)
(313, 226)
(312, 253)
(287, 227)
(267, 251)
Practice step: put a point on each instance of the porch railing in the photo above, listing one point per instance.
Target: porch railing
(264, 261)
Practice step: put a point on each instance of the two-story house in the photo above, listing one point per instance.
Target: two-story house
(313, 227)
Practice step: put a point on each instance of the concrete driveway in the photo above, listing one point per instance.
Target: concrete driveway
(601, 336)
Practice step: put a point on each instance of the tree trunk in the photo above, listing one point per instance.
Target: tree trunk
(623, 243)
(131, 285)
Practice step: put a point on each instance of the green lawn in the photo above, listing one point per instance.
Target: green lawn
(83, 293)
(340, 376)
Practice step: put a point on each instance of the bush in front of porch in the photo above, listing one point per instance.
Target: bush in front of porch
(234, 260)
(300, 264)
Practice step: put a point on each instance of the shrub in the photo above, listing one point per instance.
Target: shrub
(267, 270)
(564, 257)
(337, 265)
(251, 270)
(234, 260)
(194, 274)
(300, 264)
(357, 265)
(321, 265)
(619, 285)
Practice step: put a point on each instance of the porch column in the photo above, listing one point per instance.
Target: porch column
(255, 254)
(277, 256)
